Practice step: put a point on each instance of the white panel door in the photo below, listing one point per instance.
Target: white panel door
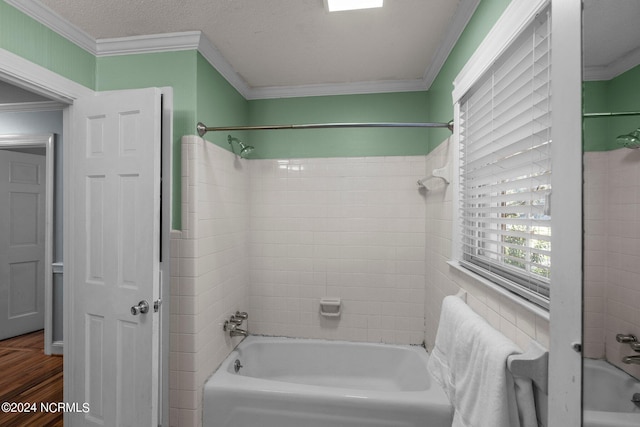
(115, 258)
(22, 215)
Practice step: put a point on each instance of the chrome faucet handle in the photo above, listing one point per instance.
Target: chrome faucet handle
(229, 326)
(636, 399)
(631, 360)
(635, 346)
(241, 315)
(236, 320)
(626, 339)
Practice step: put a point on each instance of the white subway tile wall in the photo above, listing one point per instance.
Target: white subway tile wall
(595, 252)
(514, 321)
(338, 227)
(272, 237)
(612, 253)
(209, 272)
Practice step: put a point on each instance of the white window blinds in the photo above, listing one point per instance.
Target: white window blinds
(505, 167)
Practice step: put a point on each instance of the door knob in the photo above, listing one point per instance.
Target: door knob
(142, 307)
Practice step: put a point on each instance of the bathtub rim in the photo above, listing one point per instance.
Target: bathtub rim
(224, 379)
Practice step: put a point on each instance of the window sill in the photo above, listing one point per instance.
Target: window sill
(521, 302)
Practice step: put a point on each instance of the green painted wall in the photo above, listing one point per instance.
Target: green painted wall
(440, 101)
(31, 40)
(619, 94)
(218, 104)
(201, 94)
(385, 107)
(175, 69)
(434, 105)
(594, 130)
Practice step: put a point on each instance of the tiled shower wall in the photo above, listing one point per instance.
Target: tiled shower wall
(612, 253)
(352, 228)
(210, 276)
(272, 237)
(338, 227)
(519, 324)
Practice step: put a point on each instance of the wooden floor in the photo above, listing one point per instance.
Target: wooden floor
(28, 376)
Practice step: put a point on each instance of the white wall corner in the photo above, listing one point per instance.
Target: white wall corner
(565, 363)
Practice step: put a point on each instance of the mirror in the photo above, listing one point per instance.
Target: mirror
(611, 107)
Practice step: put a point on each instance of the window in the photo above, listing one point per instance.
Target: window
(505, 167)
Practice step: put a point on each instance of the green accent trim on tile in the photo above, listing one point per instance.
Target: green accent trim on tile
(440, 101)
(384, 107)
(31, 40)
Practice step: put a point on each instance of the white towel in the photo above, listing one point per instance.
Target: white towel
(438, 364)
(469, 361)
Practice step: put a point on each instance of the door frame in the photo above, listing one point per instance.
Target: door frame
(46, 141)
(30, 76)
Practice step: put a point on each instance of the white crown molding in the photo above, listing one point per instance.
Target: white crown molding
(55, 22)
(354, 88)
(167, 42)
(614, 69)
(461, 18)
(211, 53)
(24, 107)
(511, 23)
(197, 40)
(597, 73)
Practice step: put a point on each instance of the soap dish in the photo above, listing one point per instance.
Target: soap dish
(330, 307)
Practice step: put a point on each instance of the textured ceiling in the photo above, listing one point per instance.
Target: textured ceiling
(289, 43)
(285, 42)
(611, 34)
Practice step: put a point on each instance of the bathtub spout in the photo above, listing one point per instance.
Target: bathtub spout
(631, 360)
(237, 332)
(234, 330)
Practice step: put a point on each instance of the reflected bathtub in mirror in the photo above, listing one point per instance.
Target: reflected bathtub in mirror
(607, 396)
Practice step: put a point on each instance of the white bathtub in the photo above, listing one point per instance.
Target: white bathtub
(607, 396)
(313, 383)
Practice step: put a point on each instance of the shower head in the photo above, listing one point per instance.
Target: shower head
(244, 149)
(630, 140)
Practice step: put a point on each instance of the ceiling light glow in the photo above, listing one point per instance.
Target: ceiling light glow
(340, 5)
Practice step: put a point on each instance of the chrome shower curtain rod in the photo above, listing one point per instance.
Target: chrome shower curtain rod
(624, 113)
(202, 129)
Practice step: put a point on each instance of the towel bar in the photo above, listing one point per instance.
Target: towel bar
(533, 363)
